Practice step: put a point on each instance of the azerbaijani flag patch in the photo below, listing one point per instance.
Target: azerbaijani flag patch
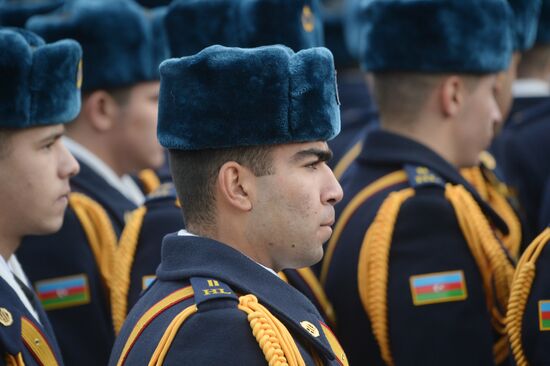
(62, 292)
(544, 315)
(438, 287)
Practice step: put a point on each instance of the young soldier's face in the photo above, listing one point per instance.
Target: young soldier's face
(293, 210)
(479, 119)
(139, 146)
(34, 181)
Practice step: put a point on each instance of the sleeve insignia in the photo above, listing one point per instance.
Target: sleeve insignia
(207, 289)
(544, 315)
(438, 287)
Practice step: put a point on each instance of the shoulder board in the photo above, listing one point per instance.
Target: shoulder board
(10, 330)
(164, 191)
(207, 289)
(421, 176)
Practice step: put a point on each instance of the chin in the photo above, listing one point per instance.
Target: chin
(50, 227)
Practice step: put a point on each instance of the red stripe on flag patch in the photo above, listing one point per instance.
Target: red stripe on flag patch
(61, 293)
(438, 288)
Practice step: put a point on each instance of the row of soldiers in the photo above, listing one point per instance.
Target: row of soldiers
(423, 265)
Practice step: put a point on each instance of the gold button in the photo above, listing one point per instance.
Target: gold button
(311, 329)
(5, 317)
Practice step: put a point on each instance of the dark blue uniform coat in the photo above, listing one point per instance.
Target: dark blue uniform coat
(522, 150)
(12, 314)
(427, 239)
(529, 310)
(219, 333)
(358, 114)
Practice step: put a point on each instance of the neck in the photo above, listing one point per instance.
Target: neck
(431, 134)
(99, 146)
(8, 245)
(240, 241)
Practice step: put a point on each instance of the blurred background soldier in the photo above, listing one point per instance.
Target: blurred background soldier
(39, 93)
(414, 270)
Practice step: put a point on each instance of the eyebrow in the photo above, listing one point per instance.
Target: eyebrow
(321, 154)
(52, 136)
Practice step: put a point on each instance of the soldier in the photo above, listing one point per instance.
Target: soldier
(259, 199)
(414, 271)
(192, 26)
(528, 316)
(40, 93)
(488, 178)
(359, 113)
(522, 148)
(113, 136)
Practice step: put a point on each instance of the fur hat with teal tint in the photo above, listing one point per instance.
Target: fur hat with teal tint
(195, 24)
(123, 43)
(436, 36)
(525, 23)
(14, 13)
(543, 31)
(39, 83)
(334, 28)
(231, 97)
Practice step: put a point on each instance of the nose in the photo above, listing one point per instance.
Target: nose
(69, 167)
(333, 192)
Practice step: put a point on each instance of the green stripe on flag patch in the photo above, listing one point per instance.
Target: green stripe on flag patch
(545, 324)
(453, 295)
(70, 300)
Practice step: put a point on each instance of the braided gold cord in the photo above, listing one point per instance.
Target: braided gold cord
(494, 264)
(99, 232)
(521, 288)
(492, 195)
(125, 252)
(373, 267)
(347, 159)
(169, 335)
(501, 350)
(367, 192)
(474, 176)
(274, 339)
(149, 179)
(16, 360)
(498, 202)
(516, 307)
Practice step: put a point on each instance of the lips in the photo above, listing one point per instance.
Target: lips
(328, 223)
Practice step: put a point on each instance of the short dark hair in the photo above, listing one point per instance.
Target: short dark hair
(195, 174)
(121, 95)
(401, 95)
(5, 144)
(534, 62)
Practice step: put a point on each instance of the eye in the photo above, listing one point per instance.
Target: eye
(314, 165)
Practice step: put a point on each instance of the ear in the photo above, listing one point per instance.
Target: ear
(451, 95)
(101, 110)
(235, 184)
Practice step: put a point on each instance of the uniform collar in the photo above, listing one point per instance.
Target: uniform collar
(184, 257)
(385, 147)
(528, 88)
(7, 271)
(124, 185)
